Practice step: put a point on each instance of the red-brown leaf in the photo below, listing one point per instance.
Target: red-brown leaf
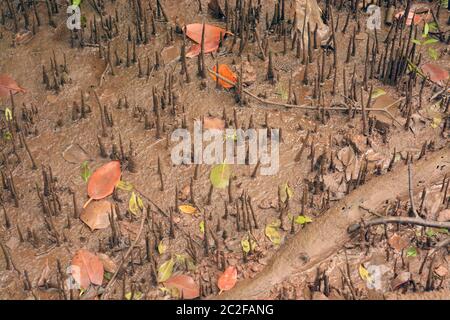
(212, 38)
(436, 73)
(103, 181)
(187, 287)
(96, 214)
(8, 84)
(225, 72)
(227, 280)
(87, 268)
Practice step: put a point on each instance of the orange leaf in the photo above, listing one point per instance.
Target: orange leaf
(96, 214)
(186, 286)
(87, 268)
(212, 33)
(227, 280)
(8, 84)
(103, 181)
(225, 72)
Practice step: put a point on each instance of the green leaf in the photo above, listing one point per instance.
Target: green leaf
(8, 114)
(303, 220)
(7, 135)
(411, 252)
(107, 275)
(426, 29)
(165, 270)
(125, 186)
(376, 93)
(433, 54)
(202, 226)
(285, 192)
(430, 232)
(430, 41)
(416, 42)
(85, 171)
(135, 204)
(272, 232)
(137, 295)
(183, 260)
(76, 3)
(220, 176)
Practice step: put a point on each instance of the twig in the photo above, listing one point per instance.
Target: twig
(410, 188)
(303, 106)
(103, 76)
(130, 249)
(442, 244)
(402, 220)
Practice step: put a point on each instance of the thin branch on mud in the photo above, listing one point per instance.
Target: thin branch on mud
(304, 106)
(402, 220)
(130, 249)
(410, 188)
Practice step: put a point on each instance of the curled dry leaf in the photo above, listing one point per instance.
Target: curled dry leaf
(225, 72)
(108, 264)
(435, 72)
(346, 156)
(8, 84)
(96, 214)
(103, 181)
(227, 280)
(186, 286)
(87, 268)
(43, 278)
(188, 209)
(397, 242)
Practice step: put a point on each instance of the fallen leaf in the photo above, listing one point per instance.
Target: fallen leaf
(186, 286)
(43, 278)
(364, 273)
(108, 264)
(271, 231)
(188, 209)
(85, 171)
(135, 204)
(137, 295)
(248, 245)
(165, 270)
(8, 84)
(376, 93)
(346, 156)
(125, 186)
(401, 279)
(103, 181)
(397, 242)
(227, 280)
(202, 226)
(213, 123)
(75, 154)
(411, 252)
(441, 271)
(23, 36)
(96, 214)
(226, 73)
(161, 247)
(435, 72)
(303, 220)
(220, 176)
(87, 268)
(212, 33)
(285, 192)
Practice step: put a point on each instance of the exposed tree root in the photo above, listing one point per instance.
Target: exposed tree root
(328, 233)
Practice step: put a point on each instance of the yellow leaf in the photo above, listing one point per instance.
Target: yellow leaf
(162, 248)
(248, 245)
(135, 204)
(272, 233)
(188, 209)
(202, 226)
(137, 295)
(125, 186)
(303, 220)
(436, 122)
(363, 273)
(165, 270)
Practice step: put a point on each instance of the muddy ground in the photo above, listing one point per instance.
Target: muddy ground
(38, 243)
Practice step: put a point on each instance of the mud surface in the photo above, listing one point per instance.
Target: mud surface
(41, 243)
